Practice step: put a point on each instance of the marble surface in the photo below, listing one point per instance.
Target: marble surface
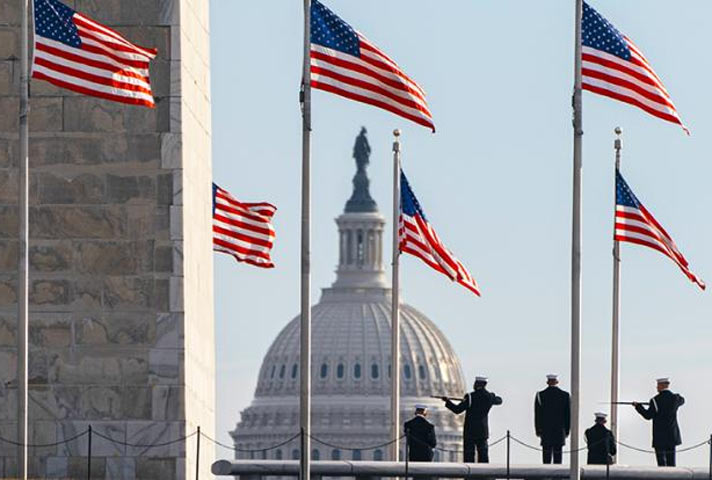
(121, 333)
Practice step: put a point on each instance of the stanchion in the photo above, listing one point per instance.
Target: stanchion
(509, 440)
(608, 457)
(407, 453)
(197, 456)
(89, 455)
(710, 473)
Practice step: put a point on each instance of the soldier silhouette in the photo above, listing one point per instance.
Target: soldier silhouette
(477, 405)
(663, 412)
(420, 435)
(601, 442)
(552, 419)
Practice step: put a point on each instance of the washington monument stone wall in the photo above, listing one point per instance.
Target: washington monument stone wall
(121, 314)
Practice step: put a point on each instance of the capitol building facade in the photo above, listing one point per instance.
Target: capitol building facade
(351, 328)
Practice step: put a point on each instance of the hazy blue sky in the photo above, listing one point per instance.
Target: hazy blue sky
(496, 182)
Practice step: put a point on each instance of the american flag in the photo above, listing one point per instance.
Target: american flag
(345, 63)
(74, 52)
(417, 237)
(614, 67)
(635, 224)
(243, 230)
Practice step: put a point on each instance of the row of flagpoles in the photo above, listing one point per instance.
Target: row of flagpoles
(72, 51)
(606, 62)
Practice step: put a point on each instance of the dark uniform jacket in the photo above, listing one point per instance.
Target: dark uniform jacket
(477, 404)
(552, 416)
(600, 439)
(421, 439)
(663, 411)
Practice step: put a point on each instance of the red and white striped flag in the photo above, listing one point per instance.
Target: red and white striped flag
(614, 67)
(345, 63)
(417, 237)
(74, 52)
(635, 224)
(243, 230)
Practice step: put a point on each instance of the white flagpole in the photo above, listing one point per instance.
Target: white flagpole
(305, 311)
(575, 473)
(22, 267)
(615, 330)
(395, 305)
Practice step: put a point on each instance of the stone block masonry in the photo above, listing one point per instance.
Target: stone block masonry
(121, 296)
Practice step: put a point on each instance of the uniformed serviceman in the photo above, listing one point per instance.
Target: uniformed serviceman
(662, 410)
(600, 441)
(477, 405)
(552, 419)
(420, 435)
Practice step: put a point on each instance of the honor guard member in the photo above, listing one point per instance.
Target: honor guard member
(662, 410)
(552, 419)
(477, 405)
(420, 435)
(601, 442)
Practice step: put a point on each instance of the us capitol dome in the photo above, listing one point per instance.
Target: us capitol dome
(351, 328)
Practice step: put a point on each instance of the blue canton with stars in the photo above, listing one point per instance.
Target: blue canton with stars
(329, 31)
(215, 192)
(409, 204)
(624, 195)
(53, 20)
(599, 33)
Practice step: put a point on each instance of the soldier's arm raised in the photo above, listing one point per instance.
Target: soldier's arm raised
(460, 407)
(680, 400)
(648, 413)
(496, 399)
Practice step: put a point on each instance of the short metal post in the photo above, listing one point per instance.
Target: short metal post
(89, 456)
(197, 455)
(509, 438)
(407, 453)
(608, 457)
(710, 473)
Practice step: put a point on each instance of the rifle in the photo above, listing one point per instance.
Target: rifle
(440, 397)
(627, 403)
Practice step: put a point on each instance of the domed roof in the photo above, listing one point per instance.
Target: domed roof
(351, 352)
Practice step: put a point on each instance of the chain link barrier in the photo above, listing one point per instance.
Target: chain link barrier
(450, 450)
(617, 442)
(46, 445)
(329, 444)
(372, 447)
(680, 450)
(146, 445)
(539, 449)
(250, 450)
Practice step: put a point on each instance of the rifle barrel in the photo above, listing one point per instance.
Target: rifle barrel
(439, 397)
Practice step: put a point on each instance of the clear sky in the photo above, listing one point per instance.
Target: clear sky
(495, 180)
